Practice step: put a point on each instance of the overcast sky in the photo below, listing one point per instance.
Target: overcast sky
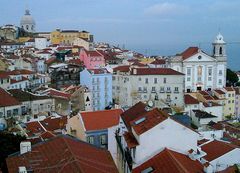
(149, 26)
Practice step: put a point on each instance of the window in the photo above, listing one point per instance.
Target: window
(168, 89)
(153, 89)
(161, 89)
(220, 81)
(220, 72)
(188, 79)
(139, 79)
(164, 80)
(155, 80)
(229, 95)
(103, 139)
(232, 101)
(176, 90)
(189, 71)
(220, 51)
(146, 80)
(90, 139)
(113, 78)
(140, 89)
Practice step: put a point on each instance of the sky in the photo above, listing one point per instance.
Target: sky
(153, 27)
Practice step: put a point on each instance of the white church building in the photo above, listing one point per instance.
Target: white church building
(202, 71)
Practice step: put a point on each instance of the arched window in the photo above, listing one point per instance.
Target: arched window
(32, 27)
(220, 51)
(27, 27)
(214, 50)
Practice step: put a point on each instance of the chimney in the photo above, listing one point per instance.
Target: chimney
(22, 169)
(134, 71)
(25, 147)
(207, 168)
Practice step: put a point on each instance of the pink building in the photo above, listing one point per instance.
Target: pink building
(92, 59)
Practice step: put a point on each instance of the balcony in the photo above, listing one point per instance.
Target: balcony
(125, 152)
(168, 91)
(176, 92)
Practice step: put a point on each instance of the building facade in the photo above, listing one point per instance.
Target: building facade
(203, 71)
(99, 82)
(155, 85)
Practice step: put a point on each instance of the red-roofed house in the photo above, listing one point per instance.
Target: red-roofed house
(221, 155)
(61, 154)
(9, 106)
(143, 132)
(169, 161)
(92, 59)
(97, 128)
(162, 86)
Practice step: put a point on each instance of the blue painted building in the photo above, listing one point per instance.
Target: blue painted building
(99, 81)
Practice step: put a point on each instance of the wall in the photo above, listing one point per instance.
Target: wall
(166, 134)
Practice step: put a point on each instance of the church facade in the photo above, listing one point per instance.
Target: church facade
(202, 71)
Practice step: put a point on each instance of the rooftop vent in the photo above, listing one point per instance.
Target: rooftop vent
(148, 170)
(140, 120)
(25, 147)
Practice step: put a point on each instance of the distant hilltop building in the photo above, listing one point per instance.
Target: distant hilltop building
(203, 71)
(27, 22)
(9, 32)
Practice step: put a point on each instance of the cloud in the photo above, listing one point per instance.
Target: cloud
(165, 9)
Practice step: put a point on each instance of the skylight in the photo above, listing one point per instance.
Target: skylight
(140, 120)
(148, 170)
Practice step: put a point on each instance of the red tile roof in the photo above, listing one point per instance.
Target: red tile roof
(189, 52)
(63, 154)
(158, 62)
(188, 99)
(154, 71)
(216, 149)
(229, 88)
(219, 91)
(152, 118)
(75, 61)
(58, 94)
(168, 161)
(93, 53)
(51, 124)
(99, 120)
(130, 140)
(202, 141)
(6, 99)
(132, 113)
(98, 71)
(124, 68)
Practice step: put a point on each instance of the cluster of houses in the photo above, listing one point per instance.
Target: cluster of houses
(91, 107)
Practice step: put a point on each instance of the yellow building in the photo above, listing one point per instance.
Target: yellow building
(67, 37)
(229, 108)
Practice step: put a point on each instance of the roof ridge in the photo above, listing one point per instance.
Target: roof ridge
(176, 162)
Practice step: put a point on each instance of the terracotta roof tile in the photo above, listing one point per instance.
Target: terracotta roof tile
(154, 71)
(229, 88)
(170, 161)
(215, 149)
(124, 68)
(158, 61)
(130, 140)
(150, 120)
(98, 71)
(99, 120)
(219, 91)
(188, 99)
(63, 154)
(132, 113)
(189, 52)
(6, 99)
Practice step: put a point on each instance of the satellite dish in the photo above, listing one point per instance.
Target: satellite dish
(150, 103)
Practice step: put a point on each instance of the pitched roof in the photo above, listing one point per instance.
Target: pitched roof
(130, 140)
(123, 68)
(148, 120)
(7, 99)
(99, 120)
(158, 61)
(229, 88)
(203, 114)
(219, 91)
(23, 96)
(170, 161)
(132, 113)
(189, 52)
(98, 71)
(216, 149)
(188, 99)
(154, 71)
(93, 53)
(63, 154)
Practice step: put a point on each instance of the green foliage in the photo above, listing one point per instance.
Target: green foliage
(232, 78)
(9, 144)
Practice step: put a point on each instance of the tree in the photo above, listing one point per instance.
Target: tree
(232, 78)
(9, 144)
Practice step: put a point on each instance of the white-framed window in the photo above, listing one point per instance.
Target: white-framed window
(189, 71)
(90, 139)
